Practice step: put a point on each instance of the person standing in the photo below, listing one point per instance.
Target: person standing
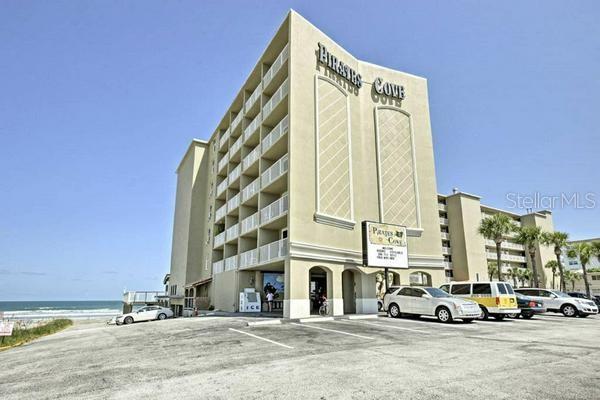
(270, 297)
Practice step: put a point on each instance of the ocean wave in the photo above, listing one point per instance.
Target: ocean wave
(37, 314)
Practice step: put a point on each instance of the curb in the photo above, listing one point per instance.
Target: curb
(315, 319)
(364, 316)
(266, 322)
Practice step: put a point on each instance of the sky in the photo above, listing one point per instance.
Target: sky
(100, 99)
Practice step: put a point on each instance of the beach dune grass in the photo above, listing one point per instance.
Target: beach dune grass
(23, 335)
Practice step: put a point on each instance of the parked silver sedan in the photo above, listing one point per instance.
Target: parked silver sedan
(148, 313)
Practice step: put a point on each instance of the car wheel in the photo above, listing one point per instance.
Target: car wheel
(379, 306)
(528, 316)
(467, 320)
(583, 315)
(569, 310)
(515, 315)
(443, 315)
(484, 314)
(394, 310)
(128, 320)
(162, 316)
(499, 317)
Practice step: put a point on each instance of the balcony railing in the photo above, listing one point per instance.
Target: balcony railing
(446, 250)
(276, 66)
(233, 203)
(224, 137)
(505, 245)
(219, 239)
(274, 171)
(507, 257)
(448, 264)
(231, 263)
(236, 121)
(276, 98)
(218, 267)
(274, 210)
(236, 146)
(251, 158)
(253, 97)
(250, 129)
(141, 297)
(277, 132)
(223, 161)
(250, 223)
(444, 221)
(445, 235)
(234, 174)
(221, 212)
(251, 189)
(222, 186)
(249, 258)
(442, 207)
(232, 232)
(273, 250)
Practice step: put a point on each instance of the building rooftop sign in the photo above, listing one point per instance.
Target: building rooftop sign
(339, 67)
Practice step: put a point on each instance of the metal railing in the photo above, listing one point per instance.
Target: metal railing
(507, 257)
(251, 158)
(250, 223)
(273, 250)
(274, 210)
(253, 97)
(274, 171)
(231, 263)
(281, 92)
(447, 264)
(249, 258)
(219, 239)
(233, 203)
(444, 221)
(280, 129)
(442, 207)
(232, 232)
(506, 245)
(445, 235)
(251, 189)
(218, 267)
(276, 66)
(221, 212)
(141, 296)
(252, 127)
(222, 186)
(446, 250)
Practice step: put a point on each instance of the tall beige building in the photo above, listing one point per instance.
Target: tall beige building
(315, 142)
(467, 253)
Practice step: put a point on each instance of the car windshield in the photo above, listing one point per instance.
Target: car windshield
(435, 292)
(561, 294)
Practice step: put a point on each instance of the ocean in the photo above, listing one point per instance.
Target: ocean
(25, 310)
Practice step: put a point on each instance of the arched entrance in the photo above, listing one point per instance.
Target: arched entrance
(318, 286)
(349, 292)
(420, 278)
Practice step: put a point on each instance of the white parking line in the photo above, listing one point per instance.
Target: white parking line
(334, 331)
(386, 326)
(262, 338)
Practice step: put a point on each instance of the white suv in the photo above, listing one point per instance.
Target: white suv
(429, 301)
(558, 301)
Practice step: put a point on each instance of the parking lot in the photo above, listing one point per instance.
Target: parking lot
(549, 357)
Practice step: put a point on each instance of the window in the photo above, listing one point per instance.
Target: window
(482, 288)
(461, 289)
(418, 293)
(501, 288)
(529, 292)
(509, 288)
(405, 292)
(545, 293)
(449, 273)
(445, 288)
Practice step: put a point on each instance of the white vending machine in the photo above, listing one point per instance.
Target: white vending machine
(250, 300)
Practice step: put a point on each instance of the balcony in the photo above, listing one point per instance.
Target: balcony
(251, 158)
(236, 121)
(232, 233)
(274, 171)
(442, 207)
(221, 212)
(505, 245)
(219, 240)
(448, 264)
(224, 137)
(222, 186)
(234, 174)
(249, 258)
(250, 223)
(444, 221)
(507, 257)
(223, 162)
(446, 250)
(274, 210)
(231, 263)
(253, 98)
(249, 191)
(276, 66)
(236, 146)
(276, 133)
(277, 97)
(273, 251)
(252, 127)
(233, 203)
(445, 235)
(218, 267)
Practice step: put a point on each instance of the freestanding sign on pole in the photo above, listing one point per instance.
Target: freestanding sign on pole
(384, 245)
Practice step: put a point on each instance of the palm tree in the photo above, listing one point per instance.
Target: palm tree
(584, 251)
(496, 228)
(571, 277)
(524, 275)
(553, 266)
(513, 273)
(559, 241)
(529, 236)
(492, 268)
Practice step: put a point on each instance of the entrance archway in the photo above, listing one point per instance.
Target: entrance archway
(419, 278)
(318, 285)
(349, 292)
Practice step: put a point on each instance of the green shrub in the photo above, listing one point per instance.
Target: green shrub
(21, 334)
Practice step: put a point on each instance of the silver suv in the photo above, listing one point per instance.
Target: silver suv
(557, 301)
